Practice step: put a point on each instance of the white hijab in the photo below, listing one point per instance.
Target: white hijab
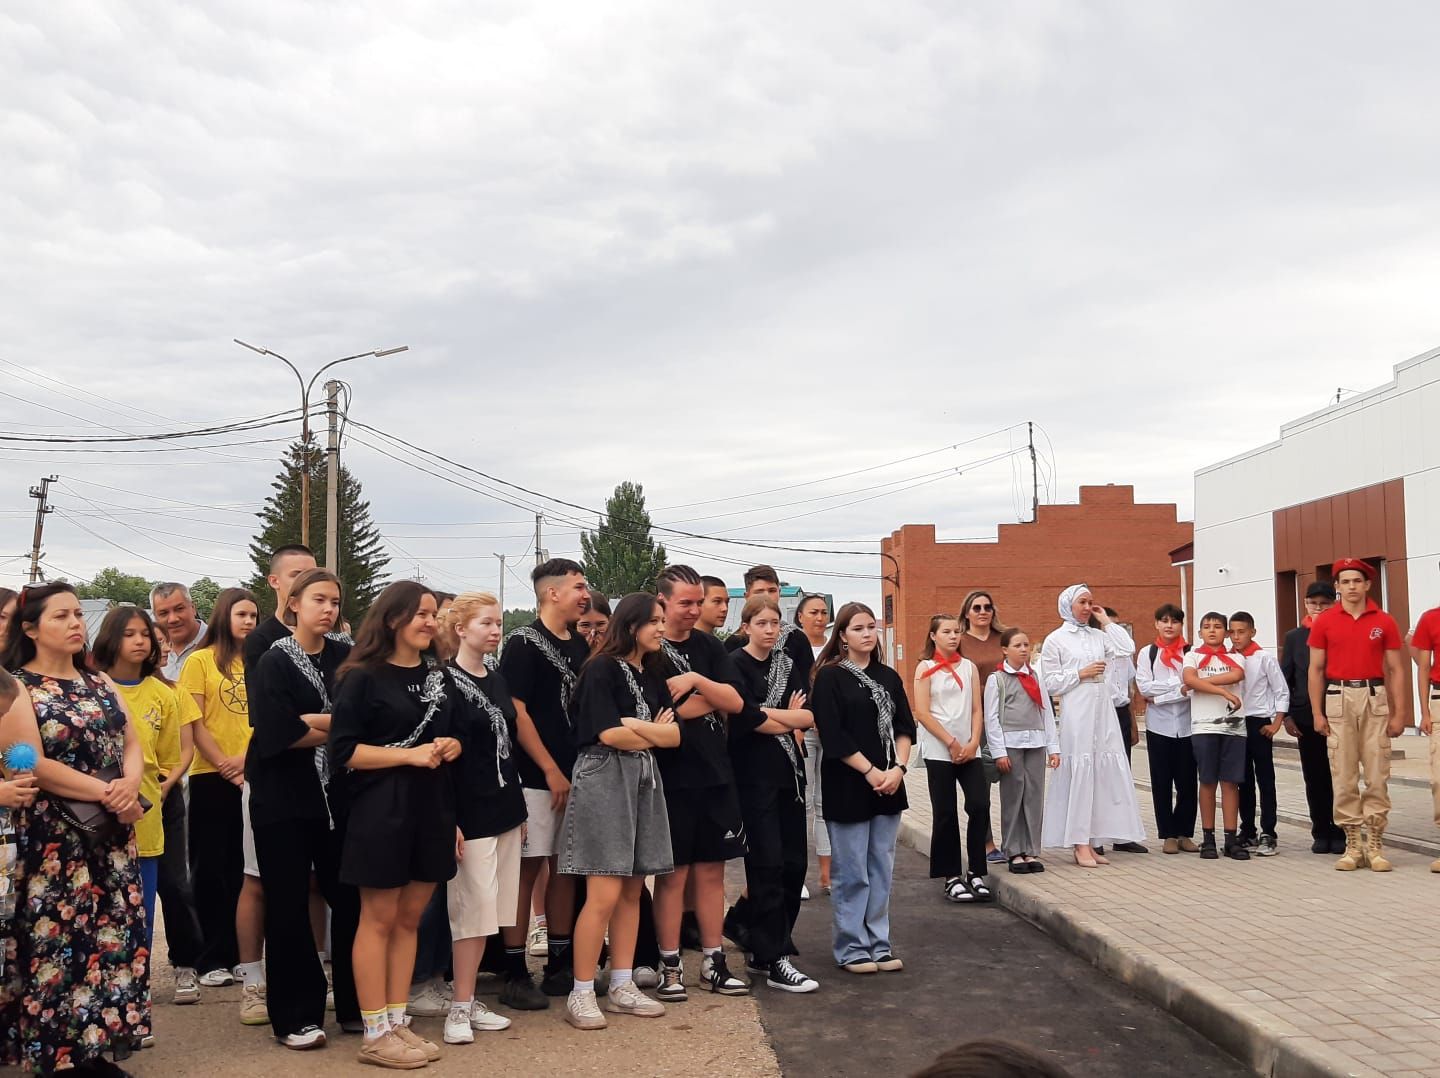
(1067, 604)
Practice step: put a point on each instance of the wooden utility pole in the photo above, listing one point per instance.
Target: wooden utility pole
(332, 479)
(42, 495)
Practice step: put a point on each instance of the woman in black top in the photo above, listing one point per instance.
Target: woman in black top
(297, 814)
(770, 778)
(489, 809)
(866, 731)
(389, 734)
(616, 830)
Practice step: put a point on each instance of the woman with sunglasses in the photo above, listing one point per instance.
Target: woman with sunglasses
(980, 643)
(77, 998)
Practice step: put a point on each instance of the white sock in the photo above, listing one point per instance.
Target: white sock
(460, 1009)
(713, 953)
(251, 973)
(620, 977)
(584, 986)
(396, 1013)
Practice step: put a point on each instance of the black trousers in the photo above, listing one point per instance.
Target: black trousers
(775, 868)
(1315, 767)
(1259, 771)
(942, 777)
(217, 867)
(647, 942)
(1173, 784)
(288, 853)
(177, 899)
(1127, 727)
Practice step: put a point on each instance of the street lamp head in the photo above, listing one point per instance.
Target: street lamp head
(253, 348)
(392, 351)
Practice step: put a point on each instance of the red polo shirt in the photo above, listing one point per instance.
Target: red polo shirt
(1427, 638)
(1355, 647)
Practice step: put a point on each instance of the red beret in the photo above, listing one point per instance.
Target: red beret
(1352, 563)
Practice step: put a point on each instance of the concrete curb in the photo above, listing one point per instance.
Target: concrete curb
(1268, 1045)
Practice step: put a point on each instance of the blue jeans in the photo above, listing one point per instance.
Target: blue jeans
(862, 869)
(149, 883)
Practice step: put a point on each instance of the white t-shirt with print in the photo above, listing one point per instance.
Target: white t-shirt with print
(1208, 712)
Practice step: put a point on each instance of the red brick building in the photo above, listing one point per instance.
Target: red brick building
(1122, 550)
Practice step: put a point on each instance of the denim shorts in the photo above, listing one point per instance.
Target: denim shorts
(615, 821)
(1219, 758)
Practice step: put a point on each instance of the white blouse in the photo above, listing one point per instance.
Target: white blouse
(950, 706)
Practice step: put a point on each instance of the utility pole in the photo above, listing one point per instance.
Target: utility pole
(502, 598)
(1034, 477)
(539, 542)
(332, 479)
(42, 495)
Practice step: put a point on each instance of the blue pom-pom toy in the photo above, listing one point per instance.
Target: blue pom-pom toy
(21, 757)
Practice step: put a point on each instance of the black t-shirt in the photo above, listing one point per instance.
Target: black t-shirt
(488, 796)
(258, 643)
(845, 714)
(761, 759)
(537, 682)
(703, 758)
(384, 706)
(604, 697)
(284, 781)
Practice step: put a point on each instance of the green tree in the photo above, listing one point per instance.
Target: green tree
(110, 583)
(516, 618)
(620, 556)
(203, 594)
(361, 562)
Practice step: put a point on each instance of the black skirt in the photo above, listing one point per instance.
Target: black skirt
(401, 829)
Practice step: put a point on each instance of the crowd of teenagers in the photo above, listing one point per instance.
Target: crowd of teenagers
(423, 805)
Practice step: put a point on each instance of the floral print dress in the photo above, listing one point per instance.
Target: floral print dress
(76, 977)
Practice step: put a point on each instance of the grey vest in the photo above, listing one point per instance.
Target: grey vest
(1017, 710)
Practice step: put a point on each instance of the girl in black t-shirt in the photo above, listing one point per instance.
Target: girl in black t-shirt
(297, 814)
(616, 830)
(770, 778)
(490, 810)
(389, 735)
(866, 730)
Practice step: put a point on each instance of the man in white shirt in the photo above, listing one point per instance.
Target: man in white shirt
(174, 613)
(1173, 783)
(1265, 704)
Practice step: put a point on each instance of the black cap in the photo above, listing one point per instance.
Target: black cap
(1321, 589)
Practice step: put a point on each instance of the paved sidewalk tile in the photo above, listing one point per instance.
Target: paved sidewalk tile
(1278, 958)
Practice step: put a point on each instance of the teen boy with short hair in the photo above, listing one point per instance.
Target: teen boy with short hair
(715, 607)
(1265, 703)
(1357, 679)
(1158, 674)
(1217, 733)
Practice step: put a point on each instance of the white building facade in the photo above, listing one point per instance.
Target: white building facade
(1358, 479)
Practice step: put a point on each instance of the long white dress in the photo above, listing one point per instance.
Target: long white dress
(1091, 797)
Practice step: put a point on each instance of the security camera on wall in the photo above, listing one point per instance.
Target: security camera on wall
(1222, 570)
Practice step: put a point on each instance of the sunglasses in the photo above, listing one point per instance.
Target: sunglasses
(982, 608)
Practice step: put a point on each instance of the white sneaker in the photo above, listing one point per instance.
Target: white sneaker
(628, 999)
(486, 1020)
(217, 978)
(428, 1001)
(187, 986)
(537, 943)
(457, 1026)
(582, 1012)
(254, 1008)
(646, 977)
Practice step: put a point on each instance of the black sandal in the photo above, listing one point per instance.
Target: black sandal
(979, 888)
(956, 891)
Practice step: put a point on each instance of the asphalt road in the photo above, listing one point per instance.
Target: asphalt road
(969, 972)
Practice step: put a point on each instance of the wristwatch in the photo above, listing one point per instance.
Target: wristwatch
(903, 769)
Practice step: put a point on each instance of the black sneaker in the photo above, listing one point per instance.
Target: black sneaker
(558, 982)
(1208, 850)
(1235, 851)
(787, 978)
(672, 983)
(736, 930)
(755, 966)
(520, 994)
(1248, 841)
(717, 977)
(1320, 845)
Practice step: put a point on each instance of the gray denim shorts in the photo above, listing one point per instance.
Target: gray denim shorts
(615, 822)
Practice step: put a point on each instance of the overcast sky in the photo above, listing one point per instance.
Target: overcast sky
(715, 248)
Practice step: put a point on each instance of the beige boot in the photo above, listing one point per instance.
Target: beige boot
(1374, 845)
(1354, 855)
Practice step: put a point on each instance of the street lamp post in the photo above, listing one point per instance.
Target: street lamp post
(305, 388)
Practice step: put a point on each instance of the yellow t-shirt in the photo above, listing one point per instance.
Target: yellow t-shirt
(156, 711)
(226, 710)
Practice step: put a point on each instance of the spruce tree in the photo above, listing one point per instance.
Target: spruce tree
(620, 557)
(361, 564)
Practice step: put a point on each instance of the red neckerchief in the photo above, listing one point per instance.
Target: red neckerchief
(1026, 677)
(1206, 653)
(1307, 621)
(1173, 653)
(953, 665)
(1249, 650)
